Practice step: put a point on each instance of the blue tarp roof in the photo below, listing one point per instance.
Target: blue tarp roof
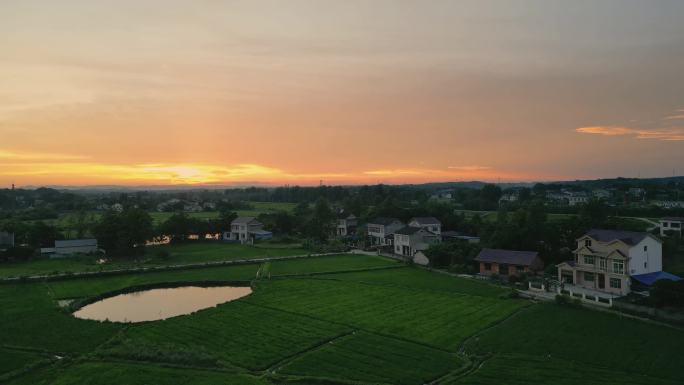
(649, 279)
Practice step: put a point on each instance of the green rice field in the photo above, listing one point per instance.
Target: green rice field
(342, 319)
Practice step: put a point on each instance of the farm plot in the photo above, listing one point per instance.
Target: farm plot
(12, 360)
(238, 333)
(415, 278)
(107, 373)
(30, 318)
(373, 359)
(435, 318)
(216, 251)
(84, 287)
(187, 253)
(519, 369)
(591, 337)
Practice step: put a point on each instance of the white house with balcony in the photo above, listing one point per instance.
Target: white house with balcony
(410, 240)
(381, 230)
(606, 260)
(246, 230)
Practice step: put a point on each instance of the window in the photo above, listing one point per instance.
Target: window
(588, 277)
(675, 225)
(666, 224)
(587, 242)
(488, 266)
(645, 265)
(603, 264)
(589, 260)
(645, 248)
(520, 269)
(618, 267)
(616, 283)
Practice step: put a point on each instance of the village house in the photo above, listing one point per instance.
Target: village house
(71, 246)
(605, 260)
(601, 194)
(576, 198)
(346, 225)
(508, 198)
(669, 204)
(410, 240)
(381, 230)
(671, 225)
(246, 230)
(444, 195)
(431, 224)
(509, 262)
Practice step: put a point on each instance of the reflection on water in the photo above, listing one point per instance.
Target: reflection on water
(158, 304)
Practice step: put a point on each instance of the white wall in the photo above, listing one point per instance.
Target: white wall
(653, 257)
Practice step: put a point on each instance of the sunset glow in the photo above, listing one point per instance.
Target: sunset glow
(269, 93)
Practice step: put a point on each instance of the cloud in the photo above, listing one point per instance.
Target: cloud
(392, 172)
(606, 130)
(668, 134)
(13, 155)
(469, 168)
(675, 117)
(665, 134)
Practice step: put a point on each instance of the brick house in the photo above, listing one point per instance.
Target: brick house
(508, 262)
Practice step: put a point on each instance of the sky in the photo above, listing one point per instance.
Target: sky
(276, 92)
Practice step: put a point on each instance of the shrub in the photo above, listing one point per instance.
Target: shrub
(162, 254)
(565, 300)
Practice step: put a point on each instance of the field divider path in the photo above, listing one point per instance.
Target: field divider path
(286, 360)
(152, 269)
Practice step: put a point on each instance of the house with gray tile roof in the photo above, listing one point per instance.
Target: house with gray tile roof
(509, 262)
(431, 224)
(409, 240)
(246, 230)
(381, 231)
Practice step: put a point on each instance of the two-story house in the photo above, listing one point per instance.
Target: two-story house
(246, 230)
(409, 240)
(671, 225)
(346, 225)
(430, 224)
(576, 198)
(381, 230)
(605, 260)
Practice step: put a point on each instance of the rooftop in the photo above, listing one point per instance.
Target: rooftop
(76, 243)
(383, 221)
(243, 220)
(629, 237)
(426, 220)
(409, 230)
(510, 257)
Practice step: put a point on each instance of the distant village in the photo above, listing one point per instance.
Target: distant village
(457, 229)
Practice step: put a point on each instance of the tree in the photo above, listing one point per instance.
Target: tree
(593, 214)
(41, 234)
(321, 224)
(491, 193)
(123, 232)
(178, 227)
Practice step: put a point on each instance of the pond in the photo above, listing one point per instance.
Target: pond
(159, 304)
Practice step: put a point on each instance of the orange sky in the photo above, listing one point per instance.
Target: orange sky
(271, 92)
